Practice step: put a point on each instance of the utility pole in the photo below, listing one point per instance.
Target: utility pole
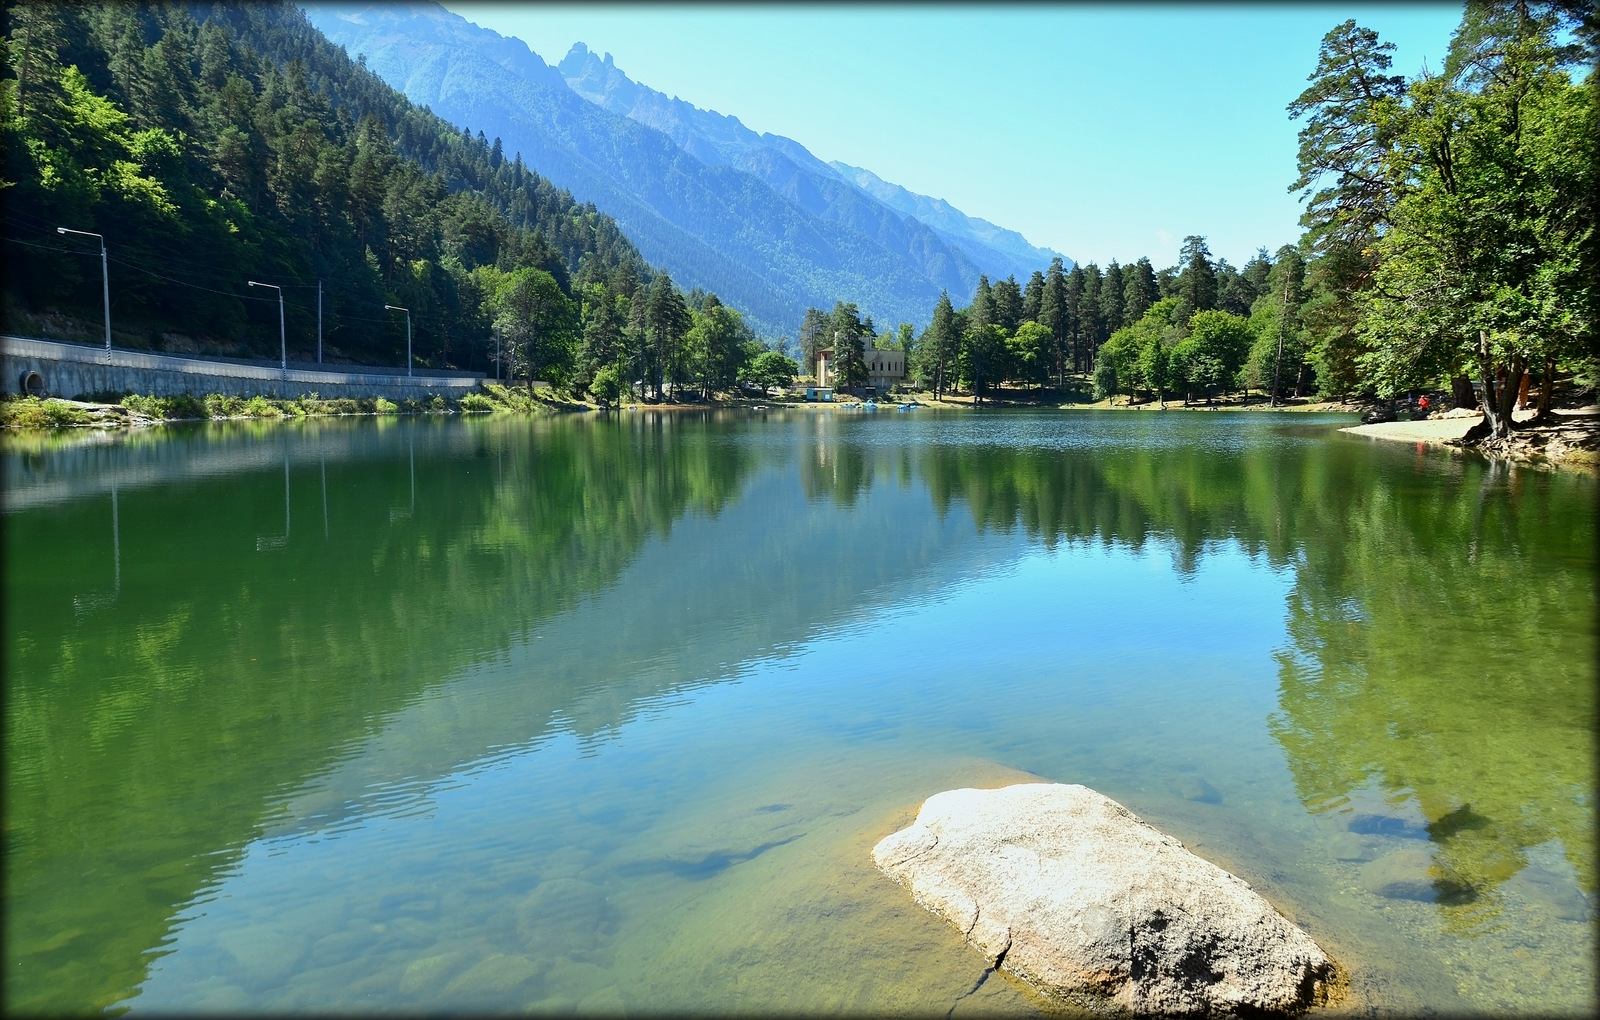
(319, 322)
(397, 308)
(283, 342)
(105, 280)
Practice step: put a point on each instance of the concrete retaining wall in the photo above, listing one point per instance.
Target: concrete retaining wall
(71, 370)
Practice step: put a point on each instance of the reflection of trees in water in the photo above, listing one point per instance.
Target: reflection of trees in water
(1441, 631)
(838, 470)
(1441, 644)
(145, 740)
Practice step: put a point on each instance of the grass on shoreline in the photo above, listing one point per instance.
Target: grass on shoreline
(109, 410)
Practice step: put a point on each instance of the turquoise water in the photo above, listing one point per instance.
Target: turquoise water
(605, 713)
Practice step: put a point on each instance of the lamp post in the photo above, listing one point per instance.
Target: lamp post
(397, 308)
(283, 343)
(105, 278)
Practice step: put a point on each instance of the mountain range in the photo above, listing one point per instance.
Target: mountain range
(756, 218)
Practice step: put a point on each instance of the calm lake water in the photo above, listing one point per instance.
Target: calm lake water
(606, 713)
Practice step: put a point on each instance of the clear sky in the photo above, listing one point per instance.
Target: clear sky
(1102, 132)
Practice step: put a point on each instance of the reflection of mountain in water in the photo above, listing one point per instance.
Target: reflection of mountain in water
(148, 739)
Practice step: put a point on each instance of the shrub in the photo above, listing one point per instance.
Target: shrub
(512, 399)
(33, 413)
(185, 405)
(260, 407)
(438, 403)
(476, 403)
(181, 406)
(341, 405)
(606, 385)
(220, 405)
(386, 406)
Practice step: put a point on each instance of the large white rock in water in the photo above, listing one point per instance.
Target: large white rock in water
(1073, 893)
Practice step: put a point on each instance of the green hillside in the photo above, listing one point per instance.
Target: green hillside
(213, 146)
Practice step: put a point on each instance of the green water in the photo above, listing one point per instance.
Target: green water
(605, 713)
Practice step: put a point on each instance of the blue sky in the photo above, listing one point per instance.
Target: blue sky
(1102, 132)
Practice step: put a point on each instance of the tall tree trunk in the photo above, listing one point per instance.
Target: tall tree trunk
(1546, 386)
(1509, 390)
(1498, 425)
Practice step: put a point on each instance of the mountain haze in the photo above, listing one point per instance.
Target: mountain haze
(768, 227)
(791, 169)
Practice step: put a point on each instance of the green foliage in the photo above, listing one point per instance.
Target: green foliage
(1459, 224)
(384, 406)
(847, 335)
(248, 146)
(475, 403)
(606, 386)
(718, 346)
(938, 348)
(510, 399)
(34, 413)
(773, 368)
(222, 406)
(261, 407)
(1028, 353)
(1105, 378)
(1211, 355)
(178, 407)
(1352, 110)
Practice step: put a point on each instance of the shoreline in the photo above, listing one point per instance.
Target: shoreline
(1568, 440)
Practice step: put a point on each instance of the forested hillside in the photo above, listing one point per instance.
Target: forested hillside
(216, 145)
(716, 227)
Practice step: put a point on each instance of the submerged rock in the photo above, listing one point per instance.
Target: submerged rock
(1071, 892)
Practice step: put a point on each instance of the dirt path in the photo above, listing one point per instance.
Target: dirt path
(1431, 430)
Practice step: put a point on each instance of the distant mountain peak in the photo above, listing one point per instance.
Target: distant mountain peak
(755, 218)
(722, 139)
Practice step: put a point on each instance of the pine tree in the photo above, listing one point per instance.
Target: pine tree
(1053, 316)
(1032, 296)
(1196, 287)
(813, 338)
(1111, 301)
(1139, 291)
(1008, 304)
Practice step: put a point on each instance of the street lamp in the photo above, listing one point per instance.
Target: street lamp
(283, 343)
(397, 308)
(105, 279)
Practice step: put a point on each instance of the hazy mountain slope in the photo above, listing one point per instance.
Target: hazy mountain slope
(868, 203)
(978, 236)
(785, 165)
(711, 226)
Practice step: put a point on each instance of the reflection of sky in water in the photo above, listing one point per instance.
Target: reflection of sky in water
(1078, 702)
(613, 704)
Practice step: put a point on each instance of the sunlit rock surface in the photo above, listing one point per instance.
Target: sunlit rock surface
(1074, 894)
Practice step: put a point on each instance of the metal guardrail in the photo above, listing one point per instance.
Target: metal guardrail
(236, 368)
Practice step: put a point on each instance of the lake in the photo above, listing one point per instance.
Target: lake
(605, 713)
